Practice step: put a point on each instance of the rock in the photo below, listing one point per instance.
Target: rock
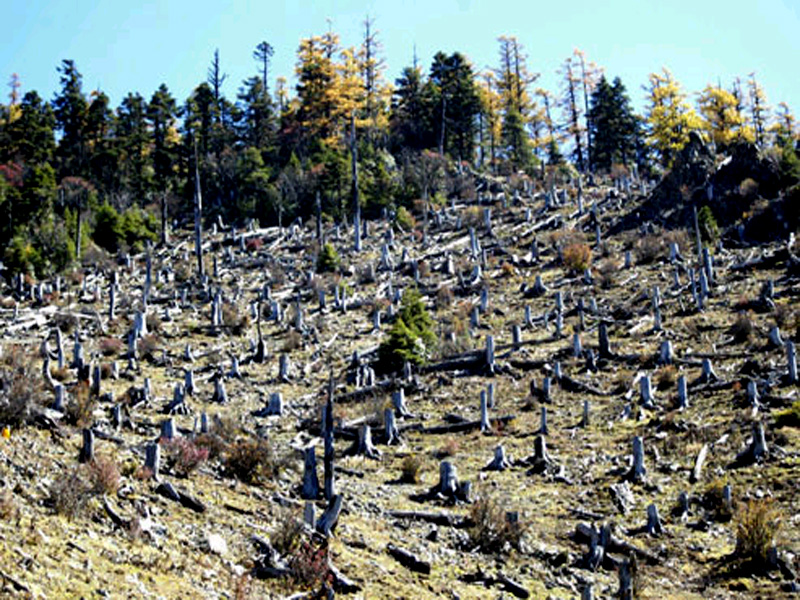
(216, 544)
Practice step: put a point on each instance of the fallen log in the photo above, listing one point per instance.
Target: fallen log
(409, 560)
(466, 425)
(437, 518)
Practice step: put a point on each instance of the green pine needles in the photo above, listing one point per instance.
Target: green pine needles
(411, 337)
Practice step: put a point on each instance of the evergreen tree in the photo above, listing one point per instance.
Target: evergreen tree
(612, 126)
(451, 87)
(410, 116)
(134, 145)
(162, 112)
(71, 112)
(30, 138)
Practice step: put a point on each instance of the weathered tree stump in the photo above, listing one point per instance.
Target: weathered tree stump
(757, 450)
(500, 462)
(654, 526)
(391, 433)
(326, 524)
(363, 445)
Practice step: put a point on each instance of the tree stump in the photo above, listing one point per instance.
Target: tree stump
(391, 433)
(500, 462)
(87, 449)
(637, 472)
(310, 489)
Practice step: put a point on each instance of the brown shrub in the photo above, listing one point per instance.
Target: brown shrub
(411, 469)
(448, 449)
(288, 534)
(103, 476)
(111, 346)
(444, 297)
(153, 323)
(149, 345)
(236, 321)
(8, 508)
(577, 257)
(185, 455)
(252, 461)
(20, 386)
(80, 407)
(649, 248)
(757, 525)
(293, 340)
(70, 493)
(491, 528)
(743, 328)
(666, 378)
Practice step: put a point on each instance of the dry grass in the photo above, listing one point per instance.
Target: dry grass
(577, 257)
(492, 530)
(757, 525)
(411, 469)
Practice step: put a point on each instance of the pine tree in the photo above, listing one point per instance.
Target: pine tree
(71, 112)
(513, 79)
(410, 114)
(263, 55)
(161, 114)
(612, 126)
(451, 86)
(134, 140)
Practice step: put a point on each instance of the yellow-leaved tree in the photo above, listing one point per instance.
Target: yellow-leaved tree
(669, 116)
(723, 119)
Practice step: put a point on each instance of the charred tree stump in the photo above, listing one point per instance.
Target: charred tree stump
(87, 449)
(152, 460)
(399, 403)
(757, 450)
(310, 489)
(327, 436)
(654, 526)
(637, 472)
(540, 461)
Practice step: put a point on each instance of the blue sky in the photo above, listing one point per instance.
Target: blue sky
(123, 46)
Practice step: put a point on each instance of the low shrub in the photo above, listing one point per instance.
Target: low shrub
(404, 220)
(666, 378)
(709, 230)
(103, 476)
(21, 390)
(411, 469)
(328, 259)
(69, 493)
(757, 525)
(577, 257)
(789, 417)
(287, 536)
(184, 455)
(111, 346)
(81, 406)
(743, 328)
(492, 529)
(252, 461)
